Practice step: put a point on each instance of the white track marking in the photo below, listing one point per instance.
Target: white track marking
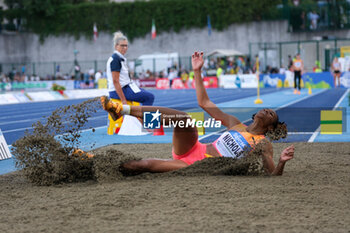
(16, 130)
(341, 99)
(283, 106)
(315, 134)
(22, 129)
(296, 101)
(27, 114)
(21, 121)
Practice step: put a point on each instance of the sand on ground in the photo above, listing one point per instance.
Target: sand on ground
(311, 196)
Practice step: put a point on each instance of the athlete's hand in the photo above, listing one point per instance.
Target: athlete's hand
(197, 61)
(287, 154)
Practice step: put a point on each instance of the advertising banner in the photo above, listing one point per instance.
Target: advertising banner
(36, 85)
(162, 83)
(210, 82)
(313, 80)
(68, 84)
(345, 80)
(318, 80)
(146, 83)
(178, 84)
(272, 80)
(238, 81)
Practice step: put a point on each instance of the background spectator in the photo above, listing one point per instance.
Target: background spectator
(313, 16)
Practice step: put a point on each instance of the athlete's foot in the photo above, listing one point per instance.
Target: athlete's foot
(295, 91)
(80, 152)
(112, 108)
(298, 92)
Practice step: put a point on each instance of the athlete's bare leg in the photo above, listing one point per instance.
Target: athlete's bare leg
(183, 140)
(338, 79)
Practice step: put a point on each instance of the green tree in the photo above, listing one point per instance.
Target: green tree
(76, 17)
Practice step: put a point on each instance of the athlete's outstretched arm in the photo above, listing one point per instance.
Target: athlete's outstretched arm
(203, 98)
(268, 163)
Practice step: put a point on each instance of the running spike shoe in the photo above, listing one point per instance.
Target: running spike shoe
(112, 108)
(80, 152)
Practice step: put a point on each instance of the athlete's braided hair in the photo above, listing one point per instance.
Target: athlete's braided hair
(279, 130)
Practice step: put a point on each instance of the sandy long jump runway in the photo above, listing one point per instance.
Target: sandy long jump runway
(312, 196)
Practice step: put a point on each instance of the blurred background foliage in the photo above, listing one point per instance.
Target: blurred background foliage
(76, 17)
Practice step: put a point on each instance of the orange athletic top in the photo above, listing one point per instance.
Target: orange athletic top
(236, 140)
(297, 63)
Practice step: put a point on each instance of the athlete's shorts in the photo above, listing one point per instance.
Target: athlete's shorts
(196, 153)
(336, 71)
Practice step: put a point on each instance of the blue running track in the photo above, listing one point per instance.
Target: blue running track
(300, 112)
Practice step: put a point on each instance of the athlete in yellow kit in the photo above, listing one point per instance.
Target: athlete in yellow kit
(186, 147)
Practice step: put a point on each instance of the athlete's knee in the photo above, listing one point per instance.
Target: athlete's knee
(186, 122)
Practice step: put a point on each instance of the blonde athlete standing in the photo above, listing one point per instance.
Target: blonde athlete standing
(186, 147)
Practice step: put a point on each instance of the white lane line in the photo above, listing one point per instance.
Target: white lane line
(341, 99)
(84, 130)
(26, 115)
(21, 121)
(283, 106)
(205, 136)
(31, 114)
(315, 134)
(216, 99)
(43, 114)
(298, 100)
(28, 120)
(174, 104)
(16, 130)
(195, 101)
(22, 129)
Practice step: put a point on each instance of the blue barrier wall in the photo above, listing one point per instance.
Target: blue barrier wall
(313, 80)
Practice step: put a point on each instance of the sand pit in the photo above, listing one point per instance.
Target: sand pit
(311, 196)
(60, 192)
